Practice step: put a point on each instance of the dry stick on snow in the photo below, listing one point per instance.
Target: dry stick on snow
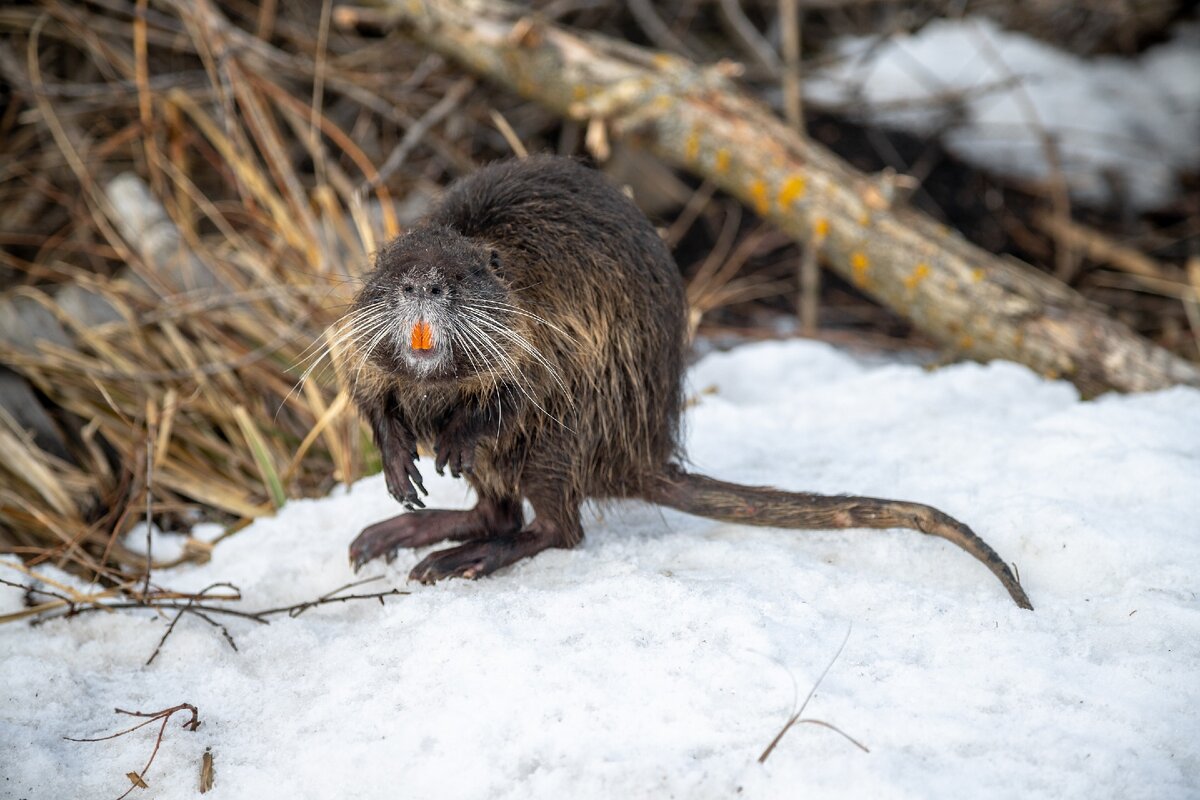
(137, 779)
(795, 717)
(297, 609)
(206, 771)
(294, 610)
(973, 301)
(63, 605)
(189, 607)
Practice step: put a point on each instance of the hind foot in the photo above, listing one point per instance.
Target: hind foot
(421, 528)
(478, 558)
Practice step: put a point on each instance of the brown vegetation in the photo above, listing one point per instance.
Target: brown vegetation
(188, 190)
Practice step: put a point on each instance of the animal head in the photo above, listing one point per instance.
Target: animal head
(434, 308)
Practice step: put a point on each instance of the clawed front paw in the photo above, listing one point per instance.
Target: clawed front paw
(455, 449)
(404, 479)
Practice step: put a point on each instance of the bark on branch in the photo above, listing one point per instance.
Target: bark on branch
(696, 118)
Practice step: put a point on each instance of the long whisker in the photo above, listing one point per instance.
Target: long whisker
(343, 325)
(389, 326)
(528, 348)
(511, 309)
(506, 361)
(471, 349)
(351, 331)
(355, 333)
(524, 344)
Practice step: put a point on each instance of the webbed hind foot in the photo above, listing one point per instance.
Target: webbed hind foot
(478, 558)
(421, 528)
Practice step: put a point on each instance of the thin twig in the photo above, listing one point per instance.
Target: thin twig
(163, 601)
(190, 607)
(414, 135)
(297, 609)
(137, 779)
(510, 135)
(657, 31)
(795, 717)
(747, 36)
(29, 589)
(149, 496)
(789, 24)
(1067, 257)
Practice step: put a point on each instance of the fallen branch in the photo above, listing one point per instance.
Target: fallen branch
(981, 305)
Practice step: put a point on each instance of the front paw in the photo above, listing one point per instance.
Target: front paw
(404, 479)
(455, 448)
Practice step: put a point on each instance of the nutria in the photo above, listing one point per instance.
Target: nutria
(532, 330)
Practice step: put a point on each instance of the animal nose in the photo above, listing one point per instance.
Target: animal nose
(432, 289)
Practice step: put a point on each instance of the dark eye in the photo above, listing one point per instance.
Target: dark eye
(408, 289)
(435, 290)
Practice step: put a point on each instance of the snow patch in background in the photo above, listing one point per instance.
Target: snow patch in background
(658, 659)
(1124, 128)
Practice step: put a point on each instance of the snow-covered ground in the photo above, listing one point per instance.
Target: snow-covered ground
(1123, 128)
(662, 657)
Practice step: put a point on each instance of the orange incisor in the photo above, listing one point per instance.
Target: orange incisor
(422, 336)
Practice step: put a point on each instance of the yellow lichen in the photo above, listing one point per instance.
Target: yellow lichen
(758, 191)
(691, 147)
(792, 189)
(978, 274)
(722, 161)
(821, 228)
(860, 265)
(916, 276)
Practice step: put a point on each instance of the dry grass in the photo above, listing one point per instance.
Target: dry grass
(187, 402)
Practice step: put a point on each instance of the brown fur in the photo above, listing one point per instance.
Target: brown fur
(578, 394)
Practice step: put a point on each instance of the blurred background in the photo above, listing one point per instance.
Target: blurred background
(189, 192)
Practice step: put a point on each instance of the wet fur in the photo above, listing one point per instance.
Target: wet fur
(579, 394)
(599, 424)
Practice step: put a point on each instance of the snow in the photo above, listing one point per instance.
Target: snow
(1123, 128)
(659, 659)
